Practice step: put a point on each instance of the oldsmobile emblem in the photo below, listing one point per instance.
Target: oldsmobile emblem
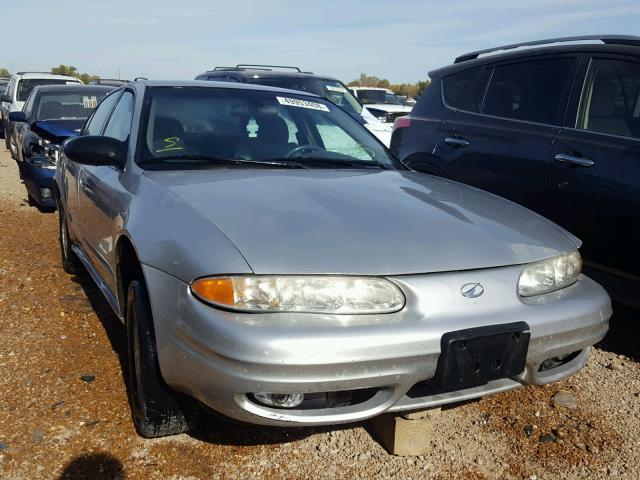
(471, 290)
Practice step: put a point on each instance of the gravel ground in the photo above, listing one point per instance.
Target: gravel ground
(64, 411)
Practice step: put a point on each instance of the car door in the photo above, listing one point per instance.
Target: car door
(99, 197)
(74, 177)
(595, 177)
(505, 146)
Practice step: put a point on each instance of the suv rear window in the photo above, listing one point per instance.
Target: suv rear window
(25, 86)
(528, 91)
(464, 90)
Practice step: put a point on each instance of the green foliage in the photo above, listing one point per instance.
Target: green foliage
(409, 89)
(72, 71)
(4, 72)
(86, 78)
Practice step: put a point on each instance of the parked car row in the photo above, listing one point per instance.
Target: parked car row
(16, 93)
(51, 114)
(275, 262)
(381, 102)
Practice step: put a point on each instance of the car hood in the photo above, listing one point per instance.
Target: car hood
(59, 129)
(385, 107)
(363, 222)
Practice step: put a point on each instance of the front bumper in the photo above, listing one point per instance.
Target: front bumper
(36, 179)
(219, 357)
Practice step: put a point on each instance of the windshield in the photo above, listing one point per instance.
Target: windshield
(378, 96)
(67, 105)
(190, 127)
(26, 85)
(332, 90)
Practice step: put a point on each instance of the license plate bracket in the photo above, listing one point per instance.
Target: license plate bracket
(476, 356)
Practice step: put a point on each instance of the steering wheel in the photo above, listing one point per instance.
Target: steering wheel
(304, 148)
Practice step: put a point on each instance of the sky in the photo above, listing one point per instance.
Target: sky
(400, 40)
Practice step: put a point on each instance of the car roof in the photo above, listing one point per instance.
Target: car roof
(72, 88)
(533, 52)
(264, 73)
(45, 75)
(371, 88)
(110, 82)
(214, 84)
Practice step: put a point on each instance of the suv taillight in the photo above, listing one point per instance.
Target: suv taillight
(401, 122)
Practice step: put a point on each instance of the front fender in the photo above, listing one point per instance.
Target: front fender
(173, 237)
(428, 163)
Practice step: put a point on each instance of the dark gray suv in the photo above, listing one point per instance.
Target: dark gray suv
(555, 128)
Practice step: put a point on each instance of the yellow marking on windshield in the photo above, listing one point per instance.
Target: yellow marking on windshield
(170, 145)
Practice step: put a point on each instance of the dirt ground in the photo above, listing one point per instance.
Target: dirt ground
(64, 410)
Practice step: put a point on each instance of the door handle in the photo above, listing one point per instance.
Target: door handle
(580, 161)
(456, 142)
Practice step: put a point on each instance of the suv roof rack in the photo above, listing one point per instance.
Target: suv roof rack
(48, 73)
(607, 39)
(251, 66)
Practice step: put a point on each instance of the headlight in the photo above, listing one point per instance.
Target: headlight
(311, 294)
(550, 275)
(52, 152)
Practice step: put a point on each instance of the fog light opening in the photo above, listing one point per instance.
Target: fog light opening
(315, 400)
(279, 400)
(555, 362)
(45, 192)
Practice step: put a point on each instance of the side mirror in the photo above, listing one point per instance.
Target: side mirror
(6, 98)
(19, 117)
(96, 150)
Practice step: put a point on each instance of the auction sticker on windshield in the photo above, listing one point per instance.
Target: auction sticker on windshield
(89, 102)
(331, 88)
(295, 102)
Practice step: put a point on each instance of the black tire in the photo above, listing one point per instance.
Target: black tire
(13, 151)
(70, 263)
(156, 409)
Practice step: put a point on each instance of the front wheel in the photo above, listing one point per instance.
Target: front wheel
(70, 263)
(157, 410)
(13, 147)
(6, 135)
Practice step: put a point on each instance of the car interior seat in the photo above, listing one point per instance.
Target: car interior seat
(168, 136)
(272, 140)
(50, 110)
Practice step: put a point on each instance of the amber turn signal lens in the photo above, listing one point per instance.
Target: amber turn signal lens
(216, 290)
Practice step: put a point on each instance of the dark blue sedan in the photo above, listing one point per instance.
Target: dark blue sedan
(50, 115)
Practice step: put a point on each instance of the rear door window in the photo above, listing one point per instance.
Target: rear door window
(25, 86)
(464, 90)
(530, 91)
(611, 98)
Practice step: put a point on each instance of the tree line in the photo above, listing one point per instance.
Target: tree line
(409, 89)
(68, 70)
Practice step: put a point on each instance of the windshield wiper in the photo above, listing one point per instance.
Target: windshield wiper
(339, 162)
(223, 160)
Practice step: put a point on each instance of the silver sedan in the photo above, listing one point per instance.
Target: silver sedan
(272, 261)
